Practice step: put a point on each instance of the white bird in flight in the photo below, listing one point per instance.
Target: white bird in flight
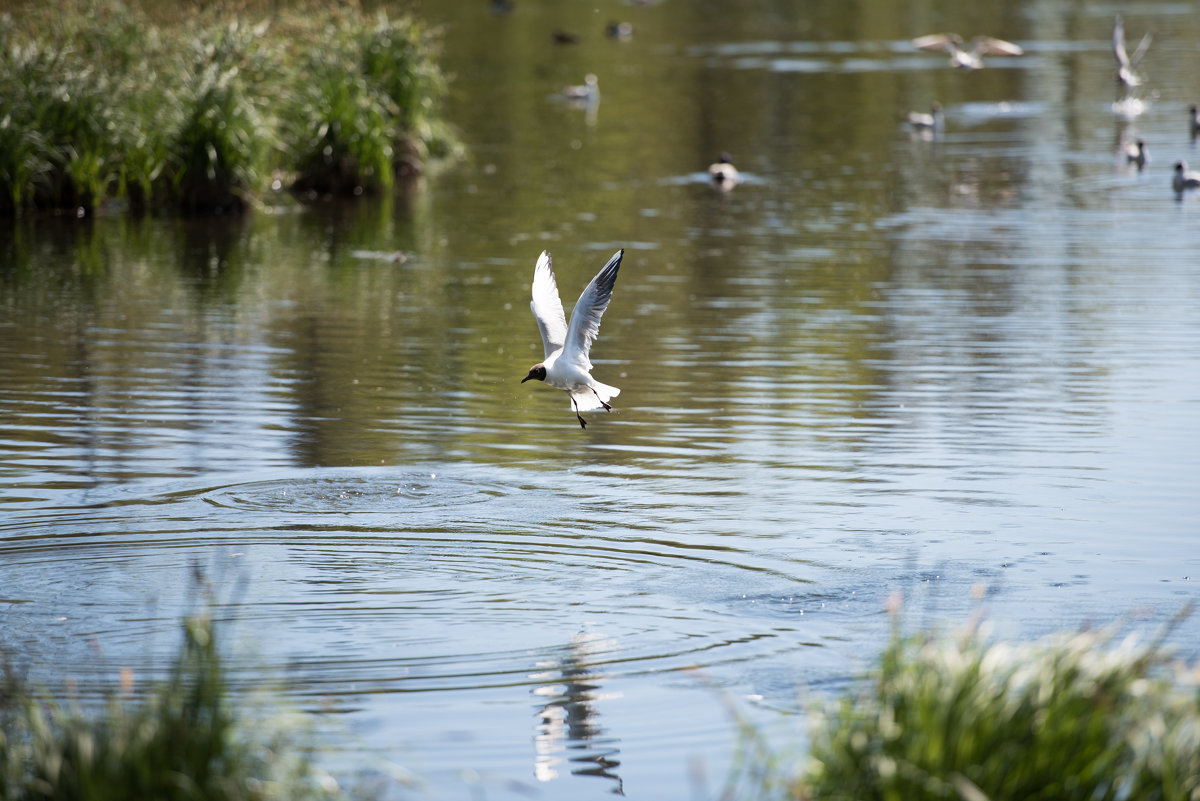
(1126, 64)
(963, 57)
(566, 365)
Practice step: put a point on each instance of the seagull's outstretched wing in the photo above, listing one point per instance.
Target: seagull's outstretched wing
(991, 46)
(1119, 44)
(546, 306)
(1142, 47)
(938, 41)
(585, 317)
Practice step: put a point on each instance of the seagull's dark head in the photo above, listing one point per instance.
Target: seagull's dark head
(538, 371)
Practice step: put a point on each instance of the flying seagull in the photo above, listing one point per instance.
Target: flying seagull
(566, 365)
(963, 57)
(1125, 62)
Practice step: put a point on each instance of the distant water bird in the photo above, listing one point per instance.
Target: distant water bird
(621, 31)
(933, 122)
(566, 365)
(968, 58)
(590, 90)
(565, 37)
(1184, 178)
(1194, 120)
(1136, 153)
(723, 173)
(501, 6)
(1126, 64)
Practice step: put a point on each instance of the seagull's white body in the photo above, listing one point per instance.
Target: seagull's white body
(566, 365)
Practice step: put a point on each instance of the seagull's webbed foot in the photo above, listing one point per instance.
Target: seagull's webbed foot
(582, 422)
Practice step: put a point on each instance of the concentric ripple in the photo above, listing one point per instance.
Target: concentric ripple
(378, 581)
(356, 494)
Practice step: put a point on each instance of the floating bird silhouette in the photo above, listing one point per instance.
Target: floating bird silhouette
(927, 123)
(969, 58)
(722, 172)
(1194, 120)
(621, 31)
(1136, 153)
(566, 365)
(1126, 64)
(1184, 178)
(590, 90)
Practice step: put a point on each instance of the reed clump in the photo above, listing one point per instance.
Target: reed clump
(1079, 716)
(99, 103)
(183, 742)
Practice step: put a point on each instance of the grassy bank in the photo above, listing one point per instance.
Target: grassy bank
(1081, 716)
(207, 112)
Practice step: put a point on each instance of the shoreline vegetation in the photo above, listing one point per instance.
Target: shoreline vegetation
(102, 106)
(1093, 715)
(183, 740)
(958, 717)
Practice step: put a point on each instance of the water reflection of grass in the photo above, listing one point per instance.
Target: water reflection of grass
(99, 102)
(1080, 716)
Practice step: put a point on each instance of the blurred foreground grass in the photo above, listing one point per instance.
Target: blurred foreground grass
(1078, 716)
(183, 742)
(207, 111)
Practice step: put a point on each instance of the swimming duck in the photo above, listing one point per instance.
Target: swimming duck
(1135, 153)
(967, 58)
(932, 122)
(1125, 62)
(723, 173)
(621, 31)
(590, 89)
(1184, 178)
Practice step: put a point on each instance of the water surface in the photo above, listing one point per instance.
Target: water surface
(963, 370)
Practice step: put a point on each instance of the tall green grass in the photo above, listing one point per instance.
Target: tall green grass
(100, 103)
(184, 742)
(1081, 716)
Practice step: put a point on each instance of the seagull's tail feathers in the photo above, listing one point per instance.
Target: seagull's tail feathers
(589, 401)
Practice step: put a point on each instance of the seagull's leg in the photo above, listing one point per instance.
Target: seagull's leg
(582, 422)
(607, 408)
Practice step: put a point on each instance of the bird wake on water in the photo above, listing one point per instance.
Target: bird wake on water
(566, 365)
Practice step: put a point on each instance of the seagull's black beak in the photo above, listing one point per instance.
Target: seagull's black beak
(526, 378)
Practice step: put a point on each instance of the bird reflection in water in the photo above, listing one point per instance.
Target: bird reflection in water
(568, 728)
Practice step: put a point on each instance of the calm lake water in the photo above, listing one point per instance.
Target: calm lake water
(964, 369)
